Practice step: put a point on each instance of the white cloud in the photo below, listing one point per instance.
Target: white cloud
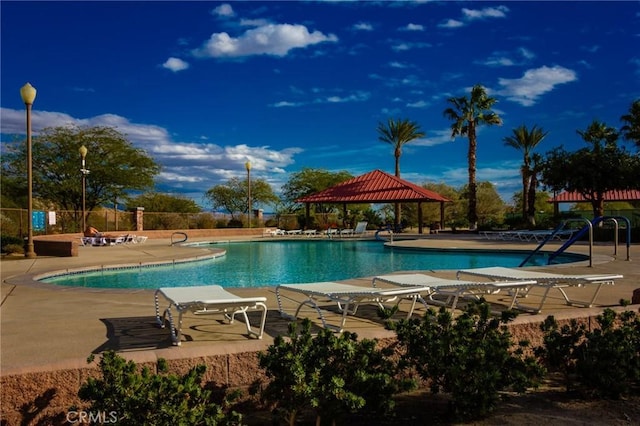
(469, 15)
(487, 12)
(418, 104)
(404, 46)
(451, 23)
(271, 39)
(175, 64)
(412, 27)
(200, 164)
(224, 10)
(396, 64)
(508, 59)
(363, 26)
(434, 137)
(534, 83)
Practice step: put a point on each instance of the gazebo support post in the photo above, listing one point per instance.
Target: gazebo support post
(441, 214)
(419, 217)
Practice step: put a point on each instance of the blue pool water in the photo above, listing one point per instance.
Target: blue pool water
(259, 264)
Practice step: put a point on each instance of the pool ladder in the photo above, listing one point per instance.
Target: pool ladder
(180, 241)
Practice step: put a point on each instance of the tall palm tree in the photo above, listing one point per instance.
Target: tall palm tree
(397, 133)
(467, 114)
(526, 140)
(631, 130)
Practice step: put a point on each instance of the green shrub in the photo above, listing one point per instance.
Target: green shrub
(472, 358)
(330, 374)
(140, 397)
(604, 361)
(558, 353)
(8, 244)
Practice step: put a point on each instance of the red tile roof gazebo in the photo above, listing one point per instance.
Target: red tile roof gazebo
(376, 187)
(576, 197)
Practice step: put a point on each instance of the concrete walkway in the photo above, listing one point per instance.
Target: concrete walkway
(47, 327)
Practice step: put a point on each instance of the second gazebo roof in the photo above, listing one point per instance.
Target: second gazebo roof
(373, 187)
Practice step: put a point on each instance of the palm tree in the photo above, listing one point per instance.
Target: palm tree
(526, 140)
(397, 133)
(467, 114)
(631, 130)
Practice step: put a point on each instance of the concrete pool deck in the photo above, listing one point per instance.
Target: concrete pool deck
(46, 327)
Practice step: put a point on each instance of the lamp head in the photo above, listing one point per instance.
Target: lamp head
(247, 165)
(83, 151)
(28, 94)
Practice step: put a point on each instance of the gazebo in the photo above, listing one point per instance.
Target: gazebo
(376, 187)
(575, 197)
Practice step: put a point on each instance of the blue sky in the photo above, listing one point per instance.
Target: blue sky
(204, 87)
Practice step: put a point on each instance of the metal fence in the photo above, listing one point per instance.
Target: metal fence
(13, 222)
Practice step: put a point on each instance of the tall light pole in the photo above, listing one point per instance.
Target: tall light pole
(247, 165)
(28, 94)
(83, 154)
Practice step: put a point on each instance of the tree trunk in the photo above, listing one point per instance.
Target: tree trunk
(473, 191)
(531, 208)
(397, 211)
(525, 192)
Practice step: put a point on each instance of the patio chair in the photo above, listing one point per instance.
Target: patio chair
(547, 281)
(206, 300)
(361, 228)
(347, 297)
(453, 290)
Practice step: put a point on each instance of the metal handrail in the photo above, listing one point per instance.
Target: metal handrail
(181, 241)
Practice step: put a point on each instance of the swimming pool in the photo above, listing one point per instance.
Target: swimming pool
(268, 263)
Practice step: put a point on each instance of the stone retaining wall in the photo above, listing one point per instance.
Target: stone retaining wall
(47, 395)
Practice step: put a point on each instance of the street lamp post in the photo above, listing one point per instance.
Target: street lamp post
(28, 94)
(247, 165)
(83, 154)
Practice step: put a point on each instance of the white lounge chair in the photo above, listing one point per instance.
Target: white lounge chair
(547, 281)
(361, 228)
(453, 289)
(347, 297)
(207, 299)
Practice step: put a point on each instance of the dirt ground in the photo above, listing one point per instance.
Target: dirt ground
(545, 406)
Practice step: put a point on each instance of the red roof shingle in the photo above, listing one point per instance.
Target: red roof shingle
(574, 197)
(373, 187)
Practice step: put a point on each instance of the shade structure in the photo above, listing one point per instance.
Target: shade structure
(376, 187)
(615, 195)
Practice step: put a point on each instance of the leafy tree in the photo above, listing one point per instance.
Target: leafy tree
(431, 211)
(309, 181)
(232, 196)
(116, 167)
(526, 140)
(631, 129)
(541, 205)
(592, 171)
(491, 207)
(398, 133)
(467, 114)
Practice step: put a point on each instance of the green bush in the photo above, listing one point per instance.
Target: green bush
(604, 361)
(8, 244)
(330, 375)
(140, 397)
(472, 358)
